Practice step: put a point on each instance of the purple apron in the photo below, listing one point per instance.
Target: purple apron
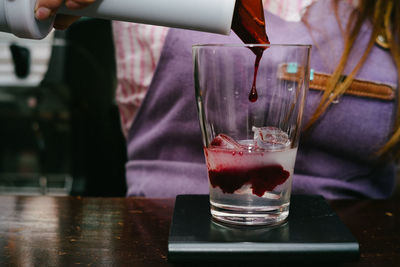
(165, 154)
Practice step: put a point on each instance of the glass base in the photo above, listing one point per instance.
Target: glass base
(258, 216)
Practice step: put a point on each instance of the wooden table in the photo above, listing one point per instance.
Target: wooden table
(68, 231)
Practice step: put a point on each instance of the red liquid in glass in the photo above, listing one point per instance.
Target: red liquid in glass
(262, 179)
(231, 166)
(249, 25)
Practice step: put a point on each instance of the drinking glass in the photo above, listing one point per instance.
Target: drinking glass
(250, 118)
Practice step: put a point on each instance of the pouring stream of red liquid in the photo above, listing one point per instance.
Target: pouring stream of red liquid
(249, 25)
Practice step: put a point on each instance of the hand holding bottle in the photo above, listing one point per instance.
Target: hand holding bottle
(47, 8)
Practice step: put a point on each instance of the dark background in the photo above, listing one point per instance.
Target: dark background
(73, 129)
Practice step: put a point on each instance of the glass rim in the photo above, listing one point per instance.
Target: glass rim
(195, 46)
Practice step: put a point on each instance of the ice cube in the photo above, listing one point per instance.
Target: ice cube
(270, 138)
(224, 141)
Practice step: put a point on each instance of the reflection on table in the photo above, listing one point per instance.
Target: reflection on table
(65, 231)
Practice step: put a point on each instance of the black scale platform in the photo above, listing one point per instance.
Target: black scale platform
(313, 232)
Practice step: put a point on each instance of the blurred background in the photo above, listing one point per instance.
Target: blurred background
(60, 131)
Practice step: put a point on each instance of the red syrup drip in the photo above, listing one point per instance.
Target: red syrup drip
(249, 25)
(253, 95)
(261, 179)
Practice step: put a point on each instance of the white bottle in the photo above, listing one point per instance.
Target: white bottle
(17, 16)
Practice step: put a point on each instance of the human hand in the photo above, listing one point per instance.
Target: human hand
(47, 8)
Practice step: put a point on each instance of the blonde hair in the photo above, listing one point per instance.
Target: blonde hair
(385, 18)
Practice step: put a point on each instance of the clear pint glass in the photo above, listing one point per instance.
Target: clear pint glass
(250, 117)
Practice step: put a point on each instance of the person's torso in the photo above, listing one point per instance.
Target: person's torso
(164, 143)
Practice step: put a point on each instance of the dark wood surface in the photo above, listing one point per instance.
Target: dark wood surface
(68, 231)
